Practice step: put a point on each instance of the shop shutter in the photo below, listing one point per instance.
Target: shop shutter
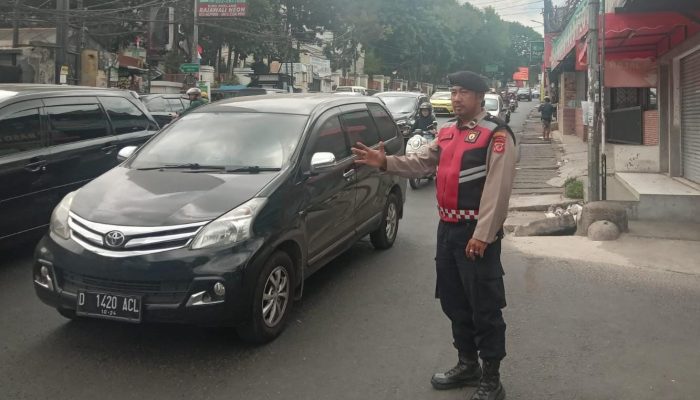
(690, 116)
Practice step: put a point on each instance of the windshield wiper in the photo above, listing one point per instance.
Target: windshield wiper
(190, 166)
(252, 169)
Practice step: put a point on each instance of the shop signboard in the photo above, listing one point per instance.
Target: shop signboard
(222, 8)
(574, 30)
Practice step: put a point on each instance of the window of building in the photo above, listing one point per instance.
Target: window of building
(624, 98)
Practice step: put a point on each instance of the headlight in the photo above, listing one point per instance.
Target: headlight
(416, 142)
(59, 217)
(232, 227)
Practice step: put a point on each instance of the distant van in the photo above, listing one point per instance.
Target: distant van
(356, 89)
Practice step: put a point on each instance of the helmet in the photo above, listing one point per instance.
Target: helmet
(426, 106)
(193, 90)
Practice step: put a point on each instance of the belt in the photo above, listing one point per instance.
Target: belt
(460, 215)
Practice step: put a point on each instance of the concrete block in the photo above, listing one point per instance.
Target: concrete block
(601, 231)
(557, 226)
(602, 211)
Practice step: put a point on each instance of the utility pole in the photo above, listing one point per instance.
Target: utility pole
(15, 31)
(61, 35)
(594, 103)
(195, 35)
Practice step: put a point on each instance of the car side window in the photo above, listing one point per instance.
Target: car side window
(76, 122)
(385, 124)
(175, 105)
(21, 131)
(359, 127)
(329, 137)
(156, 104)
(125, 116)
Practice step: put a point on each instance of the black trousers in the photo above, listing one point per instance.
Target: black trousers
(471, 293)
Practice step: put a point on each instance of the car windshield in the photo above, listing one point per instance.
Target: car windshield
(491, 104)
(343, 89)
(399, 104)
(442, 96)
(523, 90)
(227, 140)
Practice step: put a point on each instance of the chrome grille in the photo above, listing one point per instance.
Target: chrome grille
(153, 292)
(136, 240)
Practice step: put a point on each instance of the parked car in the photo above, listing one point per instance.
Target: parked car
(220, 218)
(404, 108)
(53, 140)
(524, 94)
(496, 107)
(442, 103)
(536, 93)
(165, 107)
(356, 89)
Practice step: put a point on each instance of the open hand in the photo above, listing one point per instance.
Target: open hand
(368, 156)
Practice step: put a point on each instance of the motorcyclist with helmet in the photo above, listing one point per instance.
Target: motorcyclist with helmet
(426, 120)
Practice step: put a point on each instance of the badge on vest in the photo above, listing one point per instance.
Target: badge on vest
(472, 136)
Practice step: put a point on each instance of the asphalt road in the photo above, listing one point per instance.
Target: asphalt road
(369, 328)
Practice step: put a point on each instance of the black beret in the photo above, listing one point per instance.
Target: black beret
(468, 80)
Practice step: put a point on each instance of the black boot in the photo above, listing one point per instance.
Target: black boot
(467, 372)
(490, 387)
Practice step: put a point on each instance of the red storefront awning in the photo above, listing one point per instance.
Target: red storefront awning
(647, 35)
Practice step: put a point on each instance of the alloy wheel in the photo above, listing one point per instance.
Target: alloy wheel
(275, 296)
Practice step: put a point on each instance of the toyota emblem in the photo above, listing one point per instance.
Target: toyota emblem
(114, 239)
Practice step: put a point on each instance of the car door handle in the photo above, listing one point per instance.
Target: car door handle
(109, 148)
(349, 174)
(36, 166)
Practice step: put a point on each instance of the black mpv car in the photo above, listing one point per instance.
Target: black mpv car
(220, 217)
(53, 140)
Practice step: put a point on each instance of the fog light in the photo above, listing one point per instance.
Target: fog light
(219, 289)
(44, 278)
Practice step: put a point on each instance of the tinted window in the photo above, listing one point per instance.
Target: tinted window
(125, 116)
(360, 128)
(156, 104)
(330, 138)
(20, 131)
(491, 104)
(73, 123)
(387, 129)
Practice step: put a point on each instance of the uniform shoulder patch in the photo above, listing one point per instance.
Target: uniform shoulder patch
(499, 142)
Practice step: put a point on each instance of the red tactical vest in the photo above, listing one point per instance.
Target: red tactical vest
(461, 172)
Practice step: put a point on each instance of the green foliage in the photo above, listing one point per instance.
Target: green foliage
(573, 188)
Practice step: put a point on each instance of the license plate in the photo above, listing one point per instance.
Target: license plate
(109, 306)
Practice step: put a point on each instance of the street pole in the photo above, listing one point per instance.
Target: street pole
(61, 33)
(15, 31)
(593, 99)
(603, 108)
(195, 35)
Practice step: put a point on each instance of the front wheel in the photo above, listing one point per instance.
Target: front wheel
(272, 301)
(384, 237)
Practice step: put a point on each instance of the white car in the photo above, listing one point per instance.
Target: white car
(355, 89)
(495, 105)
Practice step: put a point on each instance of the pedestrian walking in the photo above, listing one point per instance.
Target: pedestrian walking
(546, 110)
(474, 156)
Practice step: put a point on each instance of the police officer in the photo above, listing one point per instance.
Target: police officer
(474, 156)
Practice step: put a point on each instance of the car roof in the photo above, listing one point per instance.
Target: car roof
(12, 90)
(166, 95)
(298, 103)
(400, 94)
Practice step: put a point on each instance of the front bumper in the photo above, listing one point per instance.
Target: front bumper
(167, 282)
(443, 109)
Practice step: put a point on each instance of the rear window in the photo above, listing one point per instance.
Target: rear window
(491, 104)
(20, 132)
(156, 104)
(76, 122)
(385, 124)
(343, 89)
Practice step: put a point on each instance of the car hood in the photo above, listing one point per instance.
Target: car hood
(402, 115)
(131, 197)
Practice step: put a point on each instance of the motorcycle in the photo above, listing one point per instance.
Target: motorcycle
(419, 139)
(512, 105)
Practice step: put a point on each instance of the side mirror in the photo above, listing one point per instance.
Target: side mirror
(321, 162)
(125, 152)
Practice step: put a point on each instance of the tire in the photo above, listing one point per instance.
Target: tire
(414, 183)
(69, 314)
(265, 325)
(384, 237)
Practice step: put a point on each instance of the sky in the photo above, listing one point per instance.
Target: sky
(524, 11)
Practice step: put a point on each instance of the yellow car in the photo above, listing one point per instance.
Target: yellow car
(441, 103)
